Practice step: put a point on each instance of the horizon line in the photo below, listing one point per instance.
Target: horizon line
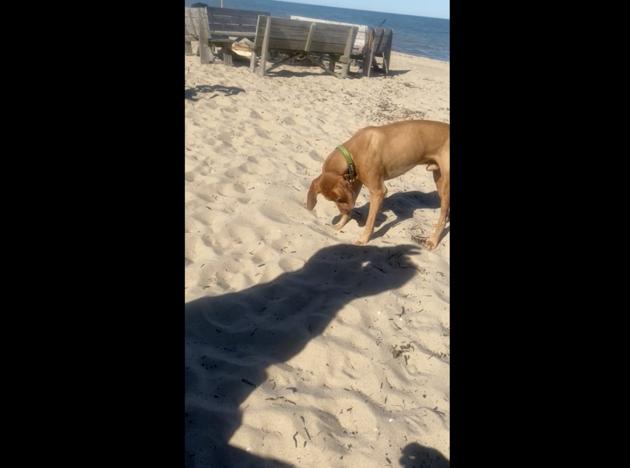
(357, 9)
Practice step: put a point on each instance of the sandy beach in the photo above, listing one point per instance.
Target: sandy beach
(303, 349)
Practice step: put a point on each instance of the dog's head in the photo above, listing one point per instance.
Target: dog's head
(335, 188)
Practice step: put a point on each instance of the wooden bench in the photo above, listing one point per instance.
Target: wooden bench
(224, 26)
(369, 43)
(359, 41)
(196, 22)
(294, 38)
(378, 44)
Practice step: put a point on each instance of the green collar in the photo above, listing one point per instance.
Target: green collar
(351, 175)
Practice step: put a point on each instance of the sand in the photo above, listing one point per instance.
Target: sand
(303, 349)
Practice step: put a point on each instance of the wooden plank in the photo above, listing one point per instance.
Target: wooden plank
(241, 15)
(346, 67)
(236, 33)
(204, 53)
(289, 23)
(280, 44)
(331, 41)
(315, 47)
(352, 33)
(359, 41)
(370, 59)
(307, 46)
(290, 34)
(260, 32)
(192, 19)
(235, 11)
(191, 22)
(227, 21)
(265, 47)
(232, 29)
(227, 54)
(190, 30)
(252, 60)
(230, 25)
(334, 38)
(233, 19)
(220, 18)
(327, 47)
(334, 28)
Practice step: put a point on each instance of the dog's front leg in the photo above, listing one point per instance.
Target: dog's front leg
(356, 188)
(376, 199)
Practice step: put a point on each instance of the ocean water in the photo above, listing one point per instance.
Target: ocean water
(416, 35)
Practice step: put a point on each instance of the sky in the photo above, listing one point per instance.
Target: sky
(430, 8)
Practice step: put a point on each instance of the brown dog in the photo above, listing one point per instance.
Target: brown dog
(379, 154)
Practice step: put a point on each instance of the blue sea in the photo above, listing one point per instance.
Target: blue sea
(416, 35)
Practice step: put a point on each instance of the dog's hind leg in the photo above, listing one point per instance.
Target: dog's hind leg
(443, 183)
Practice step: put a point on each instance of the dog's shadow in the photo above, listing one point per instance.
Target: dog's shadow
(402, 204)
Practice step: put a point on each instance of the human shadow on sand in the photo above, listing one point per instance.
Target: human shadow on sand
(417, 456)
(402, 204)
(231, 339)
(194, 94)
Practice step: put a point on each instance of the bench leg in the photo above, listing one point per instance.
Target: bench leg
(345, 69)
(252, 61)
(265, 48)
(364, 64)
(204, 50)
(227, 55)
(188, 48)
(370, 62)
(263, 63)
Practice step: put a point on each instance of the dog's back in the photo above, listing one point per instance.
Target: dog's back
(401, 145)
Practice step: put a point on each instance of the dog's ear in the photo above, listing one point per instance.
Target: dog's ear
(311, 199)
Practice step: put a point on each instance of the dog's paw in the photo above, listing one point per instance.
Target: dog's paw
(430, 244)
